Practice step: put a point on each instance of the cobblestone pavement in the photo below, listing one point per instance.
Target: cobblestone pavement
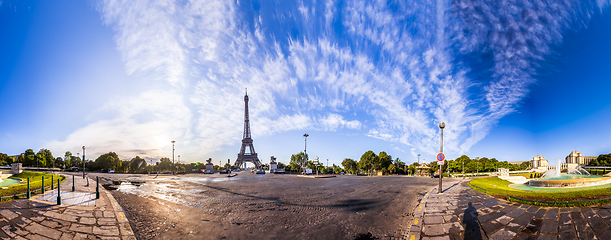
(80, 217)
(462, 213)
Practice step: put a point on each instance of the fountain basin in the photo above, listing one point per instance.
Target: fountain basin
(571, 181)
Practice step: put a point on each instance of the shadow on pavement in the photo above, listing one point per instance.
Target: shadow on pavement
(472, 226)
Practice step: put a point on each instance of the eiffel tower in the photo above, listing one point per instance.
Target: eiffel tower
(247, 142)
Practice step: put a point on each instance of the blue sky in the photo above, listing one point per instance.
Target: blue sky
(509, 80)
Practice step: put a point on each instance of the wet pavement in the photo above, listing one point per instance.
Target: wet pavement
(269, 206)
(462, 213)
(81, 215)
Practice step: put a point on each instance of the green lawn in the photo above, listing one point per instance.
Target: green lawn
(35, 183)
(500, 188)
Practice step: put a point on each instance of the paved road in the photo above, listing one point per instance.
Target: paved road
(251, 206)
(463, 213)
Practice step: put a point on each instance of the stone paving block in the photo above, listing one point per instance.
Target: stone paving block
(523, 219)
(454, 227)
(567, 236)
(107, 221)
(508, 209)
(604, 234)
(515, 213)
(549, 227)
(87, 220)
(66, 236)
(8, 214)
(484, 211)
(81, 228)
(603, 213)
(21, 221)
(491, 216)
(475, 233)
(566, 228)
(540, 213)
(33, 236)
(533, 226)
(546, 237)
(597, 223)
(585, 233)
(503, 234)
(451, 218)
(66, 217)
(491, 227)
(433, 230)
(552, 214)
(43, 230)
(109, 214)
(504, 220)
(13, 231)
(436, 238)
(532, 209)
(564, 218)
(106, 230)
(433, 219)
(80, 236)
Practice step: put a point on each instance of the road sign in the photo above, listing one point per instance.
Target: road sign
(441, 157)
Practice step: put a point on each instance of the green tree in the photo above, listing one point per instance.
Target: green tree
(384, 161)
(59, 162)
(165, 164)
(368, 160)
(297, 160)
(28, 158)
(281, 165)
(392, 168)
(350, 165)
(137, 164)
(108, 161)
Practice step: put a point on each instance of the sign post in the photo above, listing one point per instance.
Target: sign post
(441, 156)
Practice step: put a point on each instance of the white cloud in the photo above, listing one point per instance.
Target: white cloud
(396, 67)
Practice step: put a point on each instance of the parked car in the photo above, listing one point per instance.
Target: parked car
(166, 172)
(208, 172)
(435, 176)
(261, 172)
(111, 171)
(279, 171)
(225, 171)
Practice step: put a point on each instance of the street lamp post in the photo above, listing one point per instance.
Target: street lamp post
(173, 153)
(418, 159)
(305, 149)
(83, 162)
(441, 126)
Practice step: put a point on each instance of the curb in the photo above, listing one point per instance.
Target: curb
(124, 227)
(416, 226)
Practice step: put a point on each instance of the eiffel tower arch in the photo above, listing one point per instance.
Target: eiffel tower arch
(251, 156)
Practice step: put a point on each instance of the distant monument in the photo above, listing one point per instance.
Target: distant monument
(16, 168)
(244, 157)
(209, 165)
(272, 164)
(503, 172)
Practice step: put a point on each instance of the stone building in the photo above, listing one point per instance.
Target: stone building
(577, 158)
(538, 161)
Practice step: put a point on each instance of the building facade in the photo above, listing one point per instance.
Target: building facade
(538, 161)
(577, 158)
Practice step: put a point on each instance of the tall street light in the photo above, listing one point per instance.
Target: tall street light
(441, 126)
(305, 149)
(418, 159)
(83, 162)
(173, 154)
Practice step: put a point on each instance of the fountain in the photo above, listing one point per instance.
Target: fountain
(577, 178)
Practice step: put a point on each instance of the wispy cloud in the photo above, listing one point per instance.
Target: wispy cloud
(406, 67)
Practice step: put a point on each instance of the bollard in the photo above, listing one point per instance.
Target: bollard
(97, 187)
(73, 183)
(59, 194)
(28, 194)
(43, 184)
(52, 182)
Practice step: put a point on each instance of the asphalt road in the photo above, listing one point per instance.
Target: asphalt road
(249, 206)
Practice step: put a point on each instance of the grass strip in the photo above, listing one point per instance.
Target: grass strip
(499, 188)
(19, 189)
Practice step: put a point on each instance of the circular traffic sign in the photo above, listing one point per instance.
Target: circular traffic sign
(441, 157)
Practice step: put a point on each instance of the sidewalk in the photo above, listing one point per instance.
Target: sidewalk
(462, 213)
(81, 215)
